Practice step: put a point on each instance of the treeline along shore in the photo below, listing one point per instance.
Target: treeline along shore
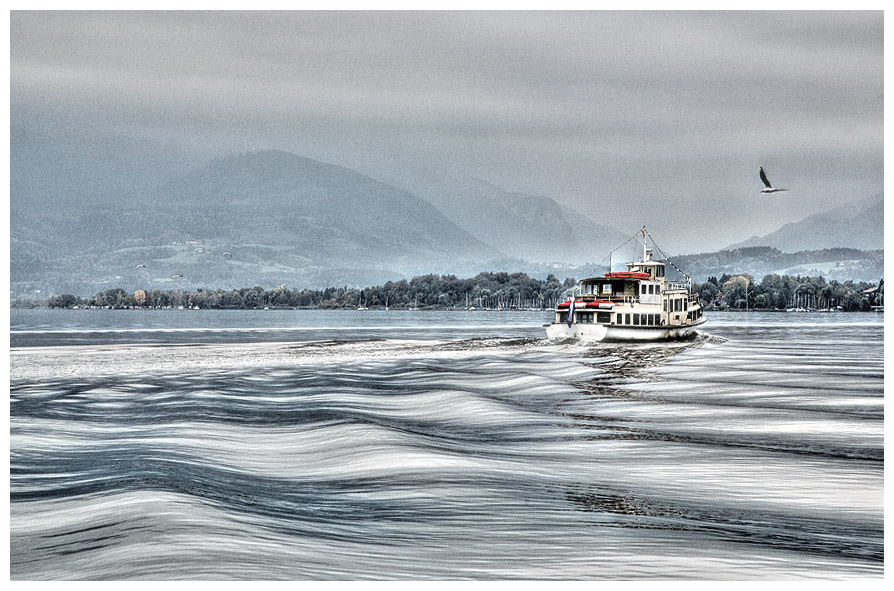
(484, 291)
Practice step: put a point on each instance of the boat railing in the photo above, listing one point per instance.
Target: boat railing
(677, 285)
(627, 299)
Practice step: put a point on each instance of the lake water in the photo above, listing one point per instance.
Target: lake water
(184, 444)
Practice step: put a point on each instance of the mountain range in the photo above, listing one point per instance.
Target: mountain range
(270, 217)
(853, 225)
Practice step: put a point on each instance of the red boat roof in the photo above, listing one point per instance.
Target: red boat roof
(627, 275)
(585, 304)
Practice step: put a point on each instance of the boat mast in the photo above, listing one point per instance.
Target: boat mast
(644, 243)
(685, 276)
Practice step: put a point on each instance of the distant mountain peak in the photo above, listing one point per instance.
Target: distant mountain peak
(858, 224)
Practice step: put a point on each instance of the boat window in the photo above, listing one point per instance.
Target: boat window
(626, 318)
(685, 304)
(665, 305)
(607, 288)
(636, 319)
(603, 317)
(620, 319)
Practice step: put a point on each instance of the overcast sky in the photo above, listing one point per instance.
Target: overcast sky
(634, 118)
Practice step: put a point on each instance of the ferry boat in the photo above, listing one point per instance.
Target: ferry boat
(638, 304)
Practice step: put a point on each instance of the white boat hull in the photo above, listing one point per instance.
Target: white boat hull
(601, 332)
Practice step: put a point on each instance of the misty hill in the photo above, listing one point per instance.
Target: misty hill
(264, 217)
(855, 225)
(832, 263)
(326, 213)
(534, 228)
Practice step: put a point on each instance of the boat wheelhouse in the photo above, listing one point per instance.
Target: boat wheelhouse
(638, 304)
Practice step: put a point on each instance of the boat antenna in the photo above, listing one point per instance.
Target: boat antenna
(609, 256)
(667, 258)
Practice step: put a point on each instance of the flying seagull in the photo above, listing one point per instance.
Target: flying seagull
(769, 188)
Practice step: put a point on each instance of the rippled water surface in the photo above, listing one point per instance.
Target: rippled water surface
(441, 445)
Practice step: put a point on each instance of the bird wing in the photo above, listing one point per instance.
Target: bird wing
(764, 179)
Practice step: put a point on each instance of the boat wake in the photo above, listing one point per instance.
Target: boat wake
(489, 454)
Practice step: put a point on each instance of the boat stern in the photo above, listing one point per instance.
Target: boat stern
(558, 331)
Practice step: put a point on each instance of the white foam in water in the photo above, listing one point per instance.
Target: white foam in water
(44, 362)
